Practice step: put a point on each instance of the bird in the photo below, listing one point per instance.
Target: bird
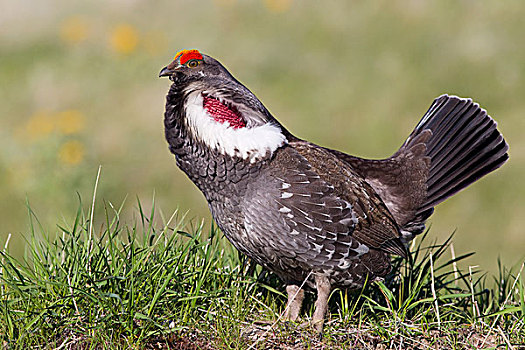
(316, 217)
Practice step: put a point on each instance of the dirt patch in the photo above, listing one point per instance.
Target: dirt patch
(291, 337)
(187, 341)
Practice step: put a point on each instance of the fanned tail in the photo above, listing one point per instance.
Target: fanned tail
(464, 145)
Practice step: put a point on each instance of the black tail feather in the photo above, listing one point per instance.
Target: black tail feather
(465, 145)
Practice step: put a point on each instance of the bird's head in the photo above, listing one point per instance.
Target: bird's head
(217, 110)
(191, 65)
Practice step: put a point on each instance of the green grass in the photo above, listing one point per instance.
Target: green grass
(162, 281)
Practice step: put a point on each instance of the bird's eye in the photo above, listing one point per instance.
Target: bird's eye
(193, 63)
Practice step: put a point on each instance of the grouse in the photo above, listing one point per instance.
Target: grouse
(312, 215)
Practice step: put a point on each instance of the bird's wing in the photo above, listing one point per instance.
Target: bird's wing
(297, 212)
(376, 226)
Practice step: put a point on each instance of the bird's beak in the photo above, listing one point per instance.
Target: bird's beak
(169, 69)
(166, 72)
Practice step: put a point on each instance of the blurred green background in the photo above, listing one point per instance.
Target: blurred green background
(79, 89)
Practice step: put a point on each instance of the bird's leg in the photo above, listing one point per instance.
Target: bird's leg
(322, 284)
(295, 301)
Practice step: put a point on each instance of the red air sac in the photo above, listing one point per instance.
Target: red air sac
(221, 113)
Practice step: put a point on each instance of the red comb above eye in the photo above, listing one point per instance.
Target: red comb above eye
(186, 55)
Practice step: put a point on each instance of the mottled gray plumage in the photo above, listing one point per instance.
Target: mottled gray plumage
(302, 210)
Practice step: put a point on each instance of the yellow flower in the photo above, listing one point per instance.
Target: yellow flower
(71, 152)
(70, 121)
(74, 30)
(278, 6)
(39, 125)
(124, 39)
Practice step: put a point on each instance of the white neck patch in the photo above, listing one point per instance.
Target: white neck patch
(248, 143)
